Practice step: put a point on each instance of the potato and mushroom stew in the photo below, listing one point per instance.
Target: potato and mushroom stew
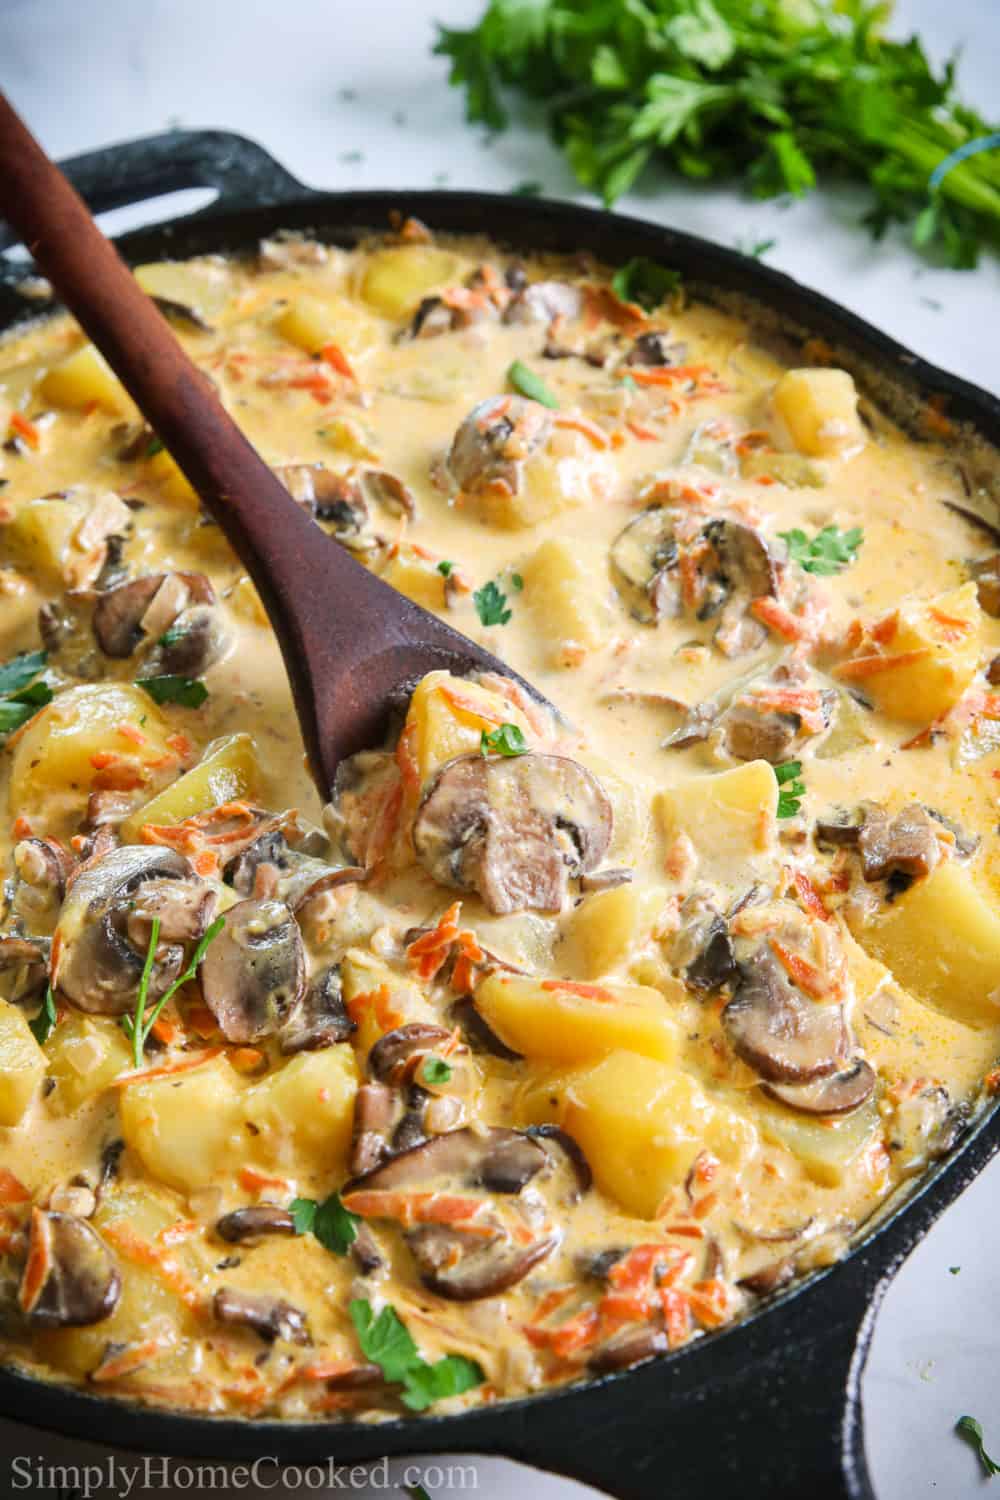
(554, 1041)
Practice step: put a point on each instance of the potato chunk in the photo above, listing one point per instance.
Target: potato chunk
(930, 659)
(201, 287)
(562, 1022)
(606, 928)
(447, 717)
(640, 1125)
(941, 940)
(730, 817)
(229, 769)
(826, 1146)
(417, 577)
(378, 999)
(187, 1130)
(566, 587)
(55, 756)
(312, 323)
(397, 278)
(86, 1054)
(64, 537)
(303, 1113)
(83, 379)
(22, 1064)
(820, 410)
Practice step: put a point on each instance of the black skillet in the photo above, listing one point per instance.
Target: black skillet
(769, 1409)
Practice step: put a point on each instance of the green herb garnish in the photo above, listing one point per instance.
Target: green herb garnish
(491, 604)
(334, 1226)
(971, 1429)
(531, 385)
(189, 692)
(154, 446)
(386, 1341)
(776, 93)
(446, 568)
(20, 697)
(172, 636)
(954, 1270)
(506, 740)
(137, 1027)
(790, 789)
(435, 1070)
(517, 581)
(43, 1025)
(645, 282)
(829, 551)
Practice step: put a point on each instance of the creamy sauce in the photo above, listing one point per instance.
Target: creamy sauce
(658, 1058)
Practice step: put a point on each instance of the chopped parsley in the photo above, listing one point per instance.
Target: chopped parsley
(790, 789)
(334, 1226)
(387, 1342)
(435, 1070)
(645, 282)
(446, 568)
(154, 446)
(531, 385)
(829, 551)
(137, 1027)
(189, 692)
(20, 696)
(507, 740)
(491, 604)
(969, 1428)
(172, 636)
(43, 1025)
(517, 581)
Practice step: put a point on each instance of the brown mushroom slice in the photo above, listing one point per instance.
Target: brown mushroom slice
(542, 301)
(270, 1317)
(70, 1279)
(479, 1034)
(97, 965)
(377, 1111)
(130, 613)
(642, 554)
(329, 497)
(394, 1055)
(749, 562)
(514, 830)
(194, 642)
(563, 1151)
(180, 312)
(986, 572)
(498, 1159)
(24, 967)
(320, 1020)
(905, 846)
(467, 1269)
(383, 488)
(254, 973)
(776, 1031)
(246, 1225)
(703, 948)
(631, 1346)
(493, 443)
(269, 866)
(836, 1094)
(654, 348)
(771, 1278)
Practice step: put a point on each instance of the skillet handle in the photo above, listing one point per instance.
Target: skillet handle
(243, 172)
(768, 1411)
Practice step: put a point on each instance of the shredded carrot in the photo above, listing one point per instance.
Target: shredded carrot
(22, 428)
(800, 970)
(378, 1003)
(420, 1208)
(644, 434)
(781, 620)
(991, 1082)
(567, 1338)
(12, 1189)
(145, 1253)
(21, 828)
(709, 1302)
(406, 758)
(335, 357)
(201, 1021)
(245, 1059)
(703, 377)
(873, 666)
(582, 991)
(462, 704)
(882, 632)
(131, 732)
(126, 1361)
(809, 896)
(592, 433)
(206, 863)
(38, 1264)
(178, 1233)
(428, 954)
(254, 1181)
(166, 1030)
(180, 745)
(182, 1064)
(676, 1316)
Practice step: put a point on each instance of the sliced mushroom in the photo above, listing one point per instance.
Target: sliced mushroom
(479, 1034)
(254, 973)
(835, 1094)
(654, 348)
(98, 965)
(180, 312)
(148, 606)
(986, 572)
(642, 556)
(695, 727)
(383, 488)
(607, 880)
(748, 561)
(569, 1152)
(43, 864)
(377, 1110)
(466, 1269)
(542, 301)
(394, 1055)
(514, 830)
(771, 1278)
(321, 1020)
(269, 866)
(194, 642)
(468, 1157)
(703, 947)
(70, 1279)
(330, 497)
(247, 1225)
(781, 1035)
(630, 1346)
(496, 439)
(270, 1317)
(432, 317)
(901, 848)
(966, 843)
(924, 1125)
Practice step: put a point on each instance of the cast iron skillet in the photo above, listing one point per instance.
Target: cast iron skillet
(769, 1409)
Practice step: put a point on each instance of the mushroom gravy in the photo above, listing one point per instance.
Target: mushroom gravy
(552, 1043)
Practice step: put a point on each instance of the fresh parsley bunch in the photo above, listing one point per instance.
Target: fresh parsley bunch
(776, 92)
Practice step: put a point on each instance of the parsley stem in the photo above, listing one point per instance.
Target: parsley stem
(139, 1032)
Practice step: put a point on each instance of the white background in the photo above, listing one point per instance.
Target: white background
(88, 74)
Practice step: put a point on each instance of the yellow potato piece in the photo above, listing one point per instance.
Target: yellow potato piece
(565, 586)
(826, 1146)
(84, 379)
(86, 1054)
(173, 484)
(941, 940)
(820, 410)
(730, 817)
(417, 577)
(378, 998)
(199, 287)
(41, 535)
(946, 631)
(311, 323)
(22, 1064)
(606, 928)
(640, 1125)
(54, 757)
(447, 717)
(229, 769)
(187, 1129)
(557, 1021)
(303, 1114)
(396, 279)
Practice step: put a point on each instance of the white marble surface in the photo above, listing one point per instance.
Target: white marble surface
(85, 75)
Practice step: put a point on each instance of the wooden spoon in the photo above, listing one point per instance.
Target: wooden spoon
(351, 644)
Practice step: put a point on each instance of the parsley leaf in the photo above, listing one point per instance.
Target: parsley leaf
(829, 551)
(790, 789)
(136, 1027)
(154, 446)
(446, 568)
(435, 1070)
(531, 385)
(491, 604)
(333, 1225)
(386, 1341)
(507, 740)
(16, 674)
(43, 1025)
(645, 282)
(189, 692)
(969, 1428)
(172, 636)
(20, 698)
